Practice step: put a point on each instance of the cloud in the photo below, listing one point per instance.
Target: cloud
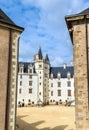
(26, 51)
(57, 61)
(51, 31)
(44, 23)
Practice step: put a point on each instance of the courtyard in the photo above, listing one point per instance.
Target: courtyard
(46, 118)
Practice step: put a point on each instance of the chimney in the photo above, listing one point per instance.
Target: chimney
(64, 65)
(71, 63)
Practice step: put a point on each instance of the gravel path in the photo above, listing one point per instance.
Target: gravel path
(46, 118)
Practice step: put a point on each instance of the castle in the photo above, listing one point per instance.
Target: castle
(39, 83)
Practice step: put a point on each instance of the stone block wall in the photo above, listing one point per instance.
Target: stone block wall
(81, 75)
(8, 77)
(13, 81)
(4, 51)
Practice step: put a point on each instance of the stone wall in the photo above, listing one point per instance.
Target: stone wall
(13, 81)
(4, 49)
(81, 76)
(8, 77)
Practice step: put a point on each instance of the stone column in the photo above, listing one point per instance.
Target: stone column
(81, 76)
(78, 29)
(9, 42)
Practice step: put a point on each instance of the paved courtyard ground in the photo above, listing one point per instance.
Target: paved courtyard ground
(46, 118)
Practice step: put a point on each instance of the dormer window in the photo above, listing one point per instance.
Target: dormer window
(59, 75)
(68, 75)
(21, 68)
(30, 69)
(51, 76)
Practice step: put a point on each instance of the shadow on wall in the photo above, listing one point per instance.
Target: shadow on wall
(22, 125)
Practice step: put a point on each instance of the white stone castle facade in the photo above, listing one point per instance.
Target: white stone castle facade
(39, 83)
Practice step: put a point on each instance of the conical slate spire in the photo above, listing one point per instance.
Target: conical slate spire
(47, 58)
(40, 53)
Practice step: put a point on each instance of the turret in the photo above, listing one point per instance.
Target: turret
(47, 58)
(39, 55)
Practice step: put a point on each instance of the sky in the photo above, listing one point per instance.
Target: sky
(44, 25)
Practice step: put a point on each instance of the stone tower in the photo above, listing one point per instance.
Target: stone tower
(42, 69)
(78, 26)
(9, 42)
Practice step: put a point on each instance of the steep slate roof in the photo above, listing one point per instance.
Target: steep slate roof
(6, 20)
(53, 70)
(26, 66)
(70, 18)
(84, 12)
(47, 58)
(40, 53)
(56, 70)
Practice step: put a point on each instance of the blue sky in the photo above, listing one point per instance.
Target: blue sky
(45, 26)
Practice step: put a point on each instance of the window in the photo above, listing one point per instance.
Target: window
(50, 100)
(29, 100)
(59, 92)
(51, 84)
(30, 76)
(68, 83)
(30, 83)
(19, 102)
(59, 84)
(51, 93)
(46, 68)
(30, 70)
(46, 75)
(20, 91)
(32, 102)
(21, 70)
(51, 76)
(40, 93)
(21, 76)
(69, 92)
(40, 66)
(20, 83)
(30, 90)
